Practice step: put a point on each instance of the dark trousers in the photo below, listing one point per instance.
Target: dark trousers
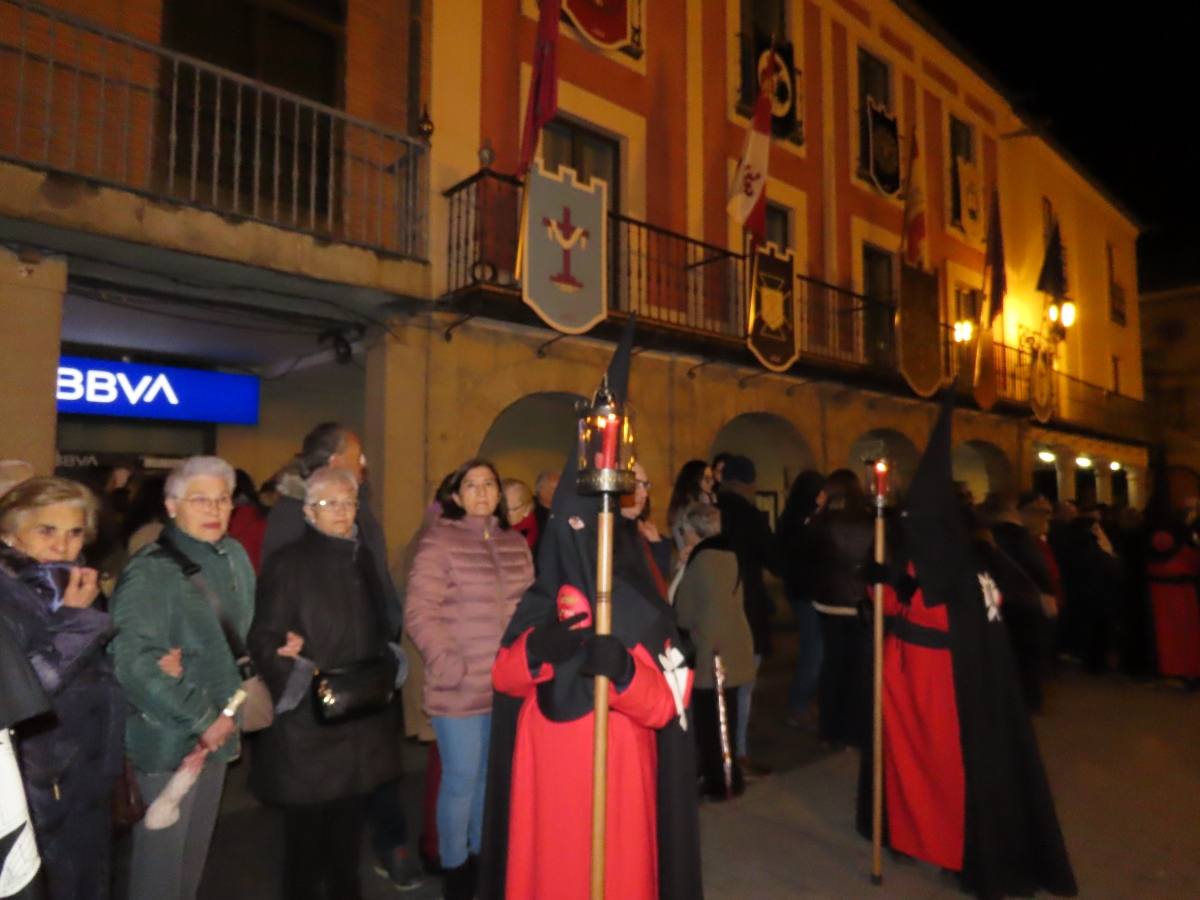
(845, 677)
(385, 819)
(707, 726)
(77, 854)
(321, 849)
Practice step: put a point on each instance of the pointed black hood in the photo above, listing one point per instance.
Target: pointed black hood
(935, 530)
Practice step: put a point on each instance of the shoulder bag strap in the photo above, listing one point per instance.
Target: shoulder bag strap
(192, 572)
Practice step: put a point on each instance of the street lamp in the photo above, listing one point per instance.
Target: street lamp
(1062, 316)
(964, 330)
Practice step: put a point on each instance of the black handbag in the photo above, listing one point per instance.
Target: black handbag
(358, 689)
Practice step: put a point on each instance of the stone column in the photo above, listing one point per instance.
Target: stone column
(1104, 492)
(1066, 476)
(31, 310)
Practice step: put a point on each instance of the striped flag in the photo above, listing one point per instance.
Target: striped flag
(748, 195)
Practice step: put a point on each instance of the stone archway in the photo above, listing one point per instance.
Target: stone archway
(779, 452)
(984, 467)
(891, 445)
(532, 435)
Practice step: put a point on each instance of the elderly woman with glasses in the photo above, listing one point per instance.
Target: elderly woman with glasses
(71, 757)
(320, 604)
(164, 604)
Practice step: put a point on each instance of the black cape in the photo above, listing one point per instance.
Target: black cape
(1013, 845)
(567, 555)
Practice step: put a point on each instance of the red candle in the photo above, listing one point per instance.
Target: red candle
(608, 453)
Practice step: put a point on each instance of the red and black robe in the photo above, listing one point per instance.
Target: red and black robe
(1173, 573)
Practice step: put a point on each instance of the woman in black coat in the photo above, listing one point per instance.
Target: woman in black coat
(69, 758)
(319, 603)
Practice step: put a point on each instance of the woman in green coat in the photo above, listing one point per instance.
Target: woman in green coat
(178, 671)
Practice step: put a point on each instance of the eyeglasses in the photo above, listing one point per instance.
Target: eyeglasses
(338, 505)
(206, 503)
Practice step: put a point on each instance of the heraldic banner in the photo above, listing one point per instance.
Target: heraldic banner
(776, 59)
(884, 151)
(1041, 386)
(772, 335)
(918, 330)
(565, 279)
(606, 23)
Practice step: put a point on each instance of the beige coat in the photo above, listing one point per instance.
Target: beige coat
(708, 603)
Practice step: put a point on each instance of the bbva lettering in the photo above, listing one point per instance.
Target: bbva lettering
(99, 386)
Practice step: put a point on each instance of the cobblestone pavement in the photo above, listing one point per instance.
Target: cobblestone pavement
(1124, 761)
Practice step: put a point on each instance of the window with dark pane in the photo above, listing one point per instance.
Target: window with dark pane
(1116, 291)
(779, 226)
(589, 153)
(962, 146)
(764, 17)
(874, 83)
(968, 304)
(250, 134)
(879, 267)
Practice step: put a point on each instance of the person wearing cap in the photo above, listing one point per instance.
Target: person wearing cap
(748, 533)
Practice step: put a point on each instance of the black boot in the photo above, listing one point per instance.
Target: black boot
(459, 883)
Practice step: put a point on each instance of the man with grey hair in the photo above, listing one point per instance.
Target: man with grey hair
(13, 472)
(337, 446)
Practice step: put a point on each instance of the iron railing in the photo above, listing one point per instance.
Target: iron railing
(81, 99)
(696, 289)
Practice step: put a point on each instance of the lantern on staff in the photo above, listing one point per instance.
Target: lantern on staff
(606, 446)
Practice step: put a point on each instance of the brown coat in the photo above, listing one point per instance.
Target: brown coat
(708, 603)
(465, 582)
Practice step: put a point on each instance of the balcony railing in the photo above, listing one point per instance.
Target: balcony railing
(83, 100)
(697, 290)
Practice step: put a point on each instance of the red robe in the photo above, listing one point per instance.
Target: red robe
(1173, 597)
(924, 782)
(550, 820)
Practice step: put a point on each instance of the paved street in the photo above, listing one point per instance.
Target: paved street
(1124, 759)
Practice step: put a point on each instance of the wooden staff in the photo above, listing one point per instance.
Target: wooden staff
(880, 484)
(604, 555)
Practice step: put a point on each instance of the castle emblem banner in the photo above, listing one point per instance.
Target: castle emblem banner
(771, 335)
(565, 278)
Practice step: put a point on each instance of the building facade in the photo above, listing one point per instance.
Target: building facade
(253, 189)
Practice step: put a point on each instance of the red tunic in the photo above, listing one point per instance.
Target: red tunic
(549, 844)
(1176, 607)
(924, 783)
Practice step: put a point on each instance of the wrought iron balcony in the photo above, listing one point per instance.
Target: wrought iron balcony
(694, 296)
(81, 99)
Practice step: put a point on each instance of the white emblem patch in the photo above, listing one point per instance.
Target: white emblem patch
(992, 598)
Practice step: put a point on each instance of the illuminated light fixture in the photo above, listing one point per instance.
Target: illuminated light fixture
(1083, 462)
(964, 330)
(1046, 456)
(1115, 466)
(1053, 312)
(1068, 314)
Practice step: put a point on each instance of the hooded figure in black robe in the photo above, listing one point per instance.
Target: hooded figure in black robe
(553, 720)
(972, 798)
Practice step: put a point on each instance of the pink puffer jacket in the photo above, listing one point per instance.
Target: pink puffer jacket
(466, 579)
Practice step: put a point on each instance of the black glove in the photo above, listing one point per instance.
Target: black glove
(875, 573)
(607, 656)
(555, 642)
(866, 611)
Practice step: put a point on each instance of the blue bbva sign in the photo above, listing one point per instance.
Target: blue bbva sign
(104, 387)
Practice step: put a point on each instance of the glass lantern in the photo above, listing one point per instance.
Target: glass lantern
(879, 477)
(606, 452)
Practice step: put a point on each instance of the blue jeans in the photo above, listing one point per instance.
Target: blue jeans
(808, 657)
(744, 693)
(463, 745)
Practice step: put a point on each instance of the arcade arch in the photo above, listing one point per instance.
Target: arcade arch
(984, 467)
(779, 451)
(532, 435)
(891, 445)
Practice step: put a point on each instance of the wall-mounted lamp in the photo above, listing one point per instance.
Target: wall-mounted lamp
(1114, 466)
(1083, 462)
(964, 330)
(1046, 456)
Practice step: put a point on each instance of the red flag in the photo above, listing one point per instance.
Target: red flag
(998, 282)
(542, 105)
(748, 196)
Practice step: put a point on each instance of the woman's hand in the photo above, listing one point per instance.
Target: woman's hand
(218, 733)
(82, 589)
(171, 662)
(293, 646)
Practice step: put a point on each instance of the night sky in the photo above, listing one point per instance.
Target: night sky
(1119, 88)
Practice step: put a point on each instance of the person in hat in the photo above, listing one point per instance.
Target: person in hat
(964, 786)
(537, 825)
